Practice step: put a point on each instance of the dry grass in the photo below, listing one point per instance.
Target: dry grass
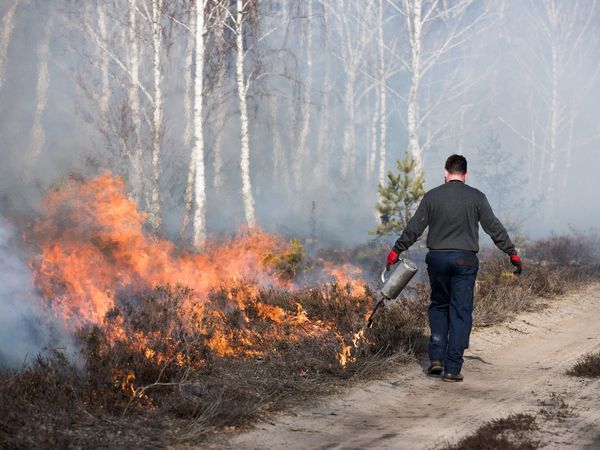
(574, 249)
(588, 366)
(509, 433)
(552, 267)
(500, 294)
(116, 396)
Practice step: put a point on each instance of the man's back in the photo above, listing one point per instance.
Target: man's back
(453, 212)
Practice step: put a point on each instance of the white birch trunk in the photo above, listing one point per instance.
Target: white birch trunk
(301, 151)
(220, 119)
(198, 151)
(280, 162)
(242, 88)
(188, 196)
(218, 144)
(154, 216)
(323, 136)
(188, 107)
(415, 29)
(382, 96)
(8, 24)
(372, 147)
(38, 136)
(532, 147)
(553, 134)
(568, 157)
(541, 168)
(460, 143)
(137, 171)
(104, 67)
(349, 140)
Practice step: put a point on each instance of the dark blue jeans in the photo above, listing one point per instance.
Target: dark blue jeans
(452, 277)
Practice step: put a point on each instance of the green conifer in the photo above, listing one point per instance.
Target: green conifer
(399, 199)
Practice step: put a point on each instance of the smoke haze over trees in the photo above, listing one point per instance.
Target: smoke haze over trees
(227, 113)
(25, 329)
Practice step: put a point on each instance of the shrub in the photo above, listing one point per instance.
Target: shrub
(567, 249)
(588, 366)
(509, 433)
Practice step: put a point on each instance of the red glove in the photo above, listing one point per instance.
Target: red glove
(392, 257)
(517, 262)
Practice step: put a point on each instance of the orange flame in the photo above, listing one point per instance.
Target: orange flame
(93, 245)
(93, 248)
(347, 275)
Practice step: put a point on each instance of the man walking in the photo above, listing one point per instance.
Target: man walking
(453, 212)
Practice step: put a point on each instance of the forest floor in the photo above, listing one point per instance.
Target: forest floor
(515, 367)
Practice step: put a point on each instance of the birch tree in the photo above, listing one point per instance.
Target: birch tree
(206, 17)
(155, 16)
(104, 63)
(222, 79)
(301, 150)
(564, 29)
(243, 84)
(355, 34)
(324, 130)
(382, 78)
(133, 68)
(428, 49)
(562, 43)
(280, 159)
(198, 150)
(38, 135)
(281, 109)
(189, 103)
(121, 120)
(8, 25)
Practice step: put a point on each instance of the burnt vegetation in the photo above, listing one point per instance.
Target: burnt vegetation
(158, 371)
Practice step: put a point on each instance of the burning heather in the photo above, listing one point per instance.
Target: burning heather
(97, 265)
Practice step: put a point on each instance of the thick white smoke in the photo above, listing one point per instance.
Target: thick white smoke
(25, 330)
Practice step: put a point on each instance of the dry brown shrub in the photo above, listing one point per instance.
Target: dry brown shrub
(400, 327)
(500, 294)
(148, 364)
(509, 433)
(587, 366)
(576, 248)
(150, 375)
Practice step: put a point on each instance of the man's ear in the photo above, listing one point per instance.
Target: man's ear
(466, 174)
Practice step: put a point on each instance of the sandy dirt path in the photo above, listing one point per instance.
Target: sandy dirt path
(515, 367)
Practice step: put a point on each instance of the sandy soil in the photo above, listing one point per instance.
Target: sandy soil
(515, 367)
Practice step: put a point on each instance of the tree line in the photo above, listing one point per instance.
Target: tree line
(267, 104)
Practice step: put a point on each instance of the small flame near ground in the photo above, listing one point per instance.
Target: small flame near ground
(93, 250)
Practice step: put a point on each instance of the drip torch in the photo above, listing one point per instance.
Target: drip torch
(394, 284)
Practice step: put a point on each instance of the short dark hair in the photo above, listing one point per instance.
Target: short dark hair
(456, 164)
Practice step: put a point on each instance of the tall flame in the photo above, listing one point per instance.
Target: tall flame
(93, 245)
(93, 250)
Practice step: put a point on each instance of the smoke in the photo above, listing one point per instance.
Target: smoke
(527, 127)
(7, 28)
(25, 329)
